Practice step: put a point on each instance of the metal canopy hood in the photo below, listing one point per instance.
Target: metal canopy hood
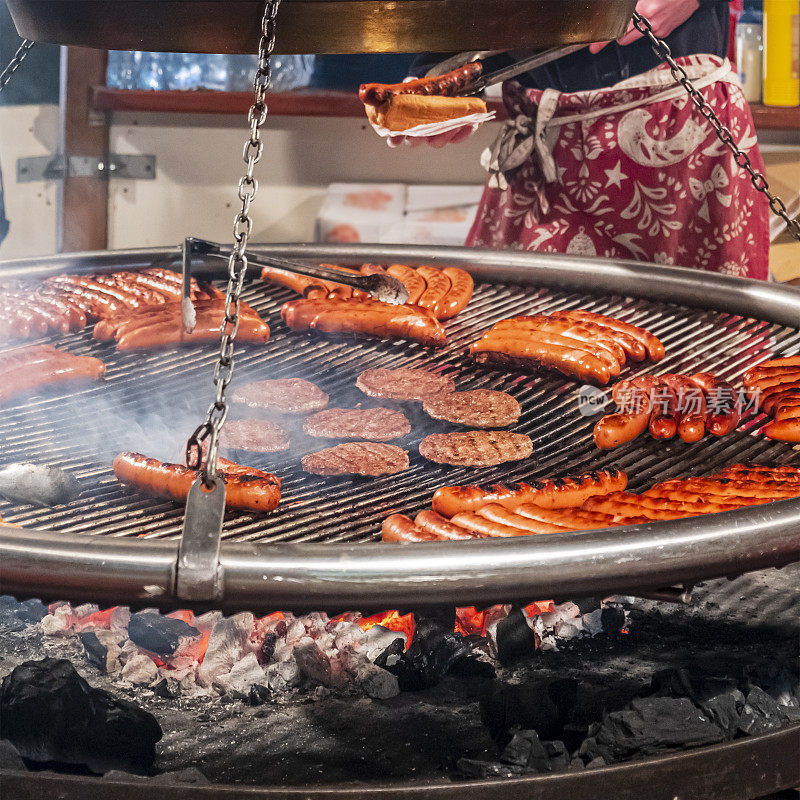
(322, 26)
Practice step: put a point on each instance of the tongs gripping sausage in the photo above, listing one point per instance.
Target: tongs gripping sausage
(448, 85)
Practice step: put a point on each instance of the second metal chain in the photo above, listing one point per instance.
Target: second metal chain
(13, 65)
(662, 50)
(237, 263)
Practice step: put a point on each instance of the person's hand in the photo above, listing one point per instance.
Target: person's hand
(438, 140)
(664, 16)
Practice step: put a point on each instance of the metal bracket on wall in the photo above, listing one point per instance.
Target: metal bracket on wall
(52, 168)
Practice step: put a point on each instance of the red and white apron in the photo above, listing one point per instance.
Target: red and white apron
(632, 171)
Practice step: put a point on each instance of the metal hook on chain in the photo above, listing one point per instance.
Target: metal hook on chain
(663, 51)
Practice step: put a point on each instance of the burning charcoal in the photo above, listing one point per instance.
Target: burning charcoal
(655, 723)
(612, 619)
(158, 634)
(242, 676)
(379, 638)
(227, 644)
(472, 768)
(140, 670)
(312, 662)
(258, 695)
(433, 652)
(268, 646)
(515, 637)
(593, 622)
(96, 651)
(169, 688)
(9, 757)
(50, 713)
(761, 713)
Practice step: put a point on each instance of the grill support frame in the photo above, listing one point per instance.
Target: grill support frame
(314, 576)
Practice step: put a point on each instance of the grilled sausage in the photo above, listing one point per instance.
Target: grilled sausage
(574, 519)
(553, 333)
(64, 368)
(399, 528)
(448, 85)
(586, 332)
(616, 429)
(485, 527)
(570, 360)
(436, 289)
(557, 493)
(410, 279)
(26, 318)
(298, 283)
(651, 345)
(775, 366)
(246, 489)
(692, 425)
(769, 398)
(771, 381)
(722, 417)
(170, 333)
(666, 412)
(762, 472)
(498, 514)
(784, 430)
(459, 294)
(441, 528)
(370, 317)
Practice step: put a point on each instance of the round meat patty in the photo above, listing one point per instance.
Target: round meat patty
(404, 383)
(283, 396)
(475, 448)
(377, 424)
(479, 408)
(357, 458)
(255, 435)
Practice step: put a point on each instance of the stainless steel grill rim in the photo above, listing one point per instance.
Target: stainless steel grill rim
(300, 574)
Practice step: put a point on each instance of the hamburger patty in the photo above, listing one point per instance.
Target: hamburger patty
(404, 383)
(377, 424)
(283, 396)
(475, 448)
(479, 408)
(257, 436)
(357, 458)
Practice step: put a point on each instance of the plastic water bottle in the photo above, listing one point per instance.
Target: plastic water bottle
(214, 72)
(151, 71)
(183, 71)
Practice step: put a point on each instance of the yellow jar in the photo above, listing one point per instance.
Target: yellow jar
(782, 52)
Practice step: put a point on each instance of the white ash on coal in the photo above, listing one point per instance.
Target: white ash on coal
(240, 656)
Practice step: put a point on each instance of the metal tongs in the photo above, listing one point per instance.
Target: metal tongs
(480, 80)
(382, 287)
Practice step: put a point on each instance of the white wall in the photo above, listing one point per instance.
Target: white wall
(199, 164)
(31, 207)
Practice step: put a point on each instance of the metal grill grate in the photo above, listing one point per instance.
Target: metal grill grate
(166, 392)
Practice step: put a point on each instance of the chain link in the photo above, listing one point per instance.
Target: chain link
(13, 65)
(237, 263)
(662, 50)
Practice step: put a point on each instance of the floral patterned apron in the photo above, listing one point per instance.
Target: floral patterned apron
(632, 171)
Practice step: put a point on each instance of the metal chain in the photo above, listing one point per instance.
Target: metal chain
(237, 263)
(13, 65)
(662, 50)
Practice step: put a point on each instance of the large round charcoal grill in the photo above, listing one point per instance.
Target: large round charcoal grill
(320, 549)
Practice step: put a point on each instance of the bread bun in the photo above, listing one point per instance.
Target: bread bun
(404, 111)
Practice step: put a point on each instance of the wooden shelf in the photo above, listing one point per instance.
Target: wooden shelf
(316, 103)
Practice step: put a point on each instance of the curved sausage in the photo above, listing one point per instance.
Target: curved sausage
(459, 295)
(537, 328)
(775, 366)
(484, 527)
(769, 398)
(370, 317)
(653, 347)
(442, 528)
(574, 519)
(437, 287)
(65, 368)
(616, 429)
(27, 319)
(784, 430)
(724, 407)
(86, 282)
(167, 334)
(666, 413)
(770, 381)
(252, 490)
(450, 84)
(693, 407)
(413, 282)
(585, 332)
(762, 472)
(399, 528)
(570, 360)
(298, 283)
(502, 516)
